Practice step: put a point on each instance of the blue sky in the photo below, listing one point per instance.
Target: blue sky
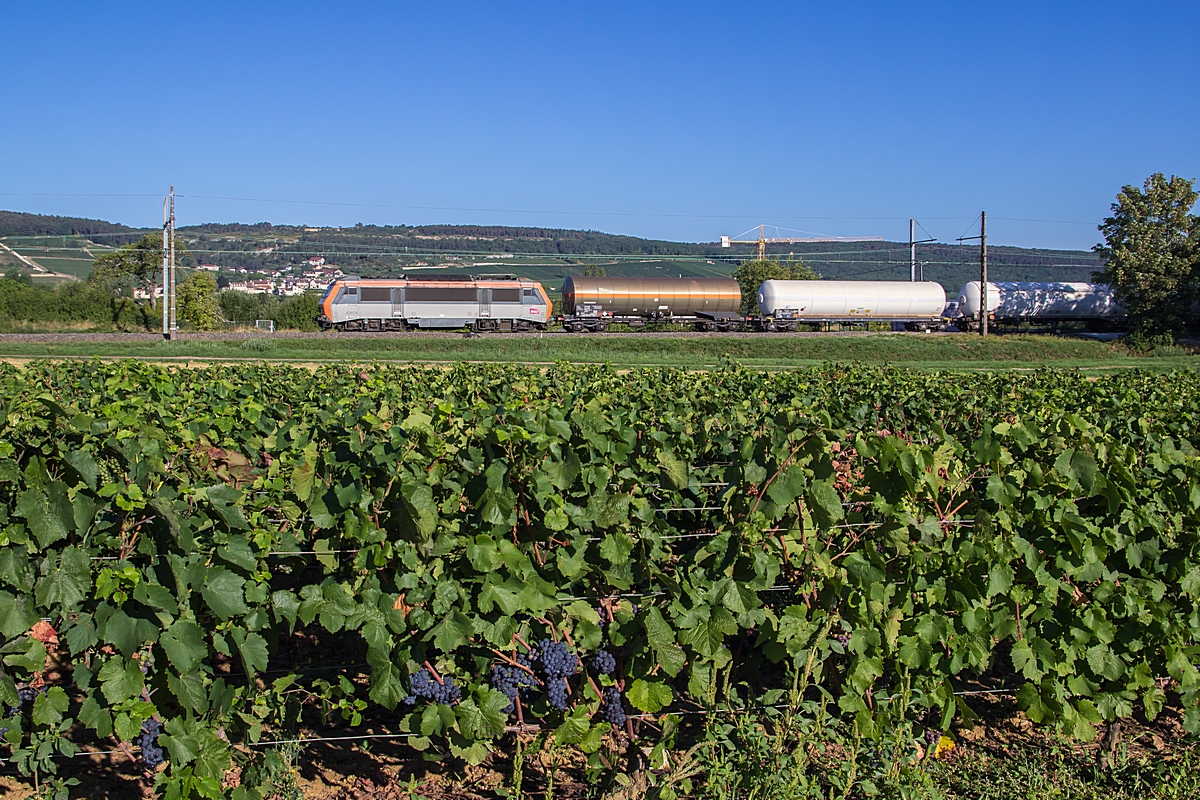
(677, 121)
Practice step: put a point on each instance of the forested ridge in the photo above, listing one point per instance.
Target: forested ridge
(17, 223)
(263, 245)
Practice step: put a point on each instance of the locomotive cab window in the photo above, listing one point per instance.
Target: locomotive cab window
(349, 295)
(531, 296)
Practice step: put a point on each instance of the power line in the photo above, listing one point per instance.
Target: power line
(332, 251)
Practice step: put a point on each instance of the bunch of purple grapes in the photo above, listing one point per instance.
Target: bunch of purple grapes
(152, 754)
(611, 707)
(557, 664)
(425, 686)
(510, 680)
(25, 695)
(604, 662)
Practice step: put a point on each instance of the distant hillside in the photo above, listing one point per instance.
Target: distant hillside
(17, 223)
(551, 254)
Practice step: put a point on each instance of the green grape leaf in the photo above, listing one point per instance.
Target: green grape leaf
(253, 650)
(69, 584)
(185, 645)
(238, 553)
(825, 502)
(649, 696)
(305, 473)
(223, 592)
(85, 466)
(15, 616)
(674, 471)
(50, 517)
(96, 717)
(575, 726)
(670, 655)
(224, 500)
(120, 680)
(485, 720)
(188, 690)
(32, 658)
(1000, 578)
(1104, 663)
(787, 486)
(49, 706)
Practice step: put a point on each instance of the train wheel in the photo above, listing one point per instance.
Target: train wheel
(792, 327)
(601, 328)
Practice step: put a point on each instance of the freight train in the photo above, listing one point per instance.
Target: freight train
(508, 303)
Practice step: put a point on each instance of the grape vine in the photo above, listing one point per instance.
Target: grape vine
(494, 537)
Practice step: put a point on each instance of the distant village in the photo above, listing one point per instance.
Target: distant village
(312, 274)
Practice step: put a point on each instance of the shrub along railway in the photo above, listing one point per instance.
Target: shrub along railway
(874, 540)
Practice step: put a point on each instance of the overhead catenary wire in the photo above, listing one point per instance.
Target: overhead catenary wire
(318, 248)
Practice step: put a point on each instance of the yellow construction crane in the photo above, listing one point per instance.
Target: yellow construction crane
(763, 240)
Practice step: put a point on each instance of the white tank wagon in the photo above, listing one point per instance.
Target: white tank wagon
(917, 304)
(1029, 301)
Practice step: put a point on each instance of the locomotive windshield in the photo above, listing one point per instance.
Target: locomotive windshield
(330, 289)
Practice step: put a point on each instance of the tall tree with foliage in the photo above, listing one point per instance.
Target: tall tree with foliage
(196, 301)
(137, 265)
(1152, 254)
(751, 274)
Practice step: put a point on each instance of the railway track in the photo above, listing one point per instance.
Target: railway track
(65, 338)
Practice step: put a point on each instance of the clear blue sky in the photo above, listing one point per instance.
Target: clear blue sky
(678, 121)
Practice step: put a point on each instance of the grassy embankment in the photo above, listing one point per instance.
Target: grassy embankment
(931, 352)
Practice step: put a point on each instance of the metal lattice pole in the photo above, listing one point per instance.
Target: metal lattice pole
(174, 325)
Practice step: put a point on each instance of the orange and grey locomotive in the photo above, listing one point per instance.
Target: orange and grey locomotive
(483, 303)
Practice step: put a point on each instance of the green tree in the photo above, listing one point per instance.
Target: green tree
(1152, 250)
(594, 271)
(137, 265)
(196, 300)
(299, 312)
(751, 274)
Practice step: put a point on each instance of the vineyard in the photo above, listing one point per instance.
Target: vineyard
(198, 567)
